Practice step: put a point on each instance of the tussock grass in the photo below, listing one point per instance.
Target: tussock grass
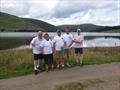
(79, 85)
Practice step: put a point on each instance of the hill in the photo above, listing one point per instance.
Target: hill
(91, 28)
(13, 23)
(10, 22)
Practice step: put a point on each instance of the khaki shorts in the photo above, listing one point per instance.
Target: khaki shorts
(59, 55)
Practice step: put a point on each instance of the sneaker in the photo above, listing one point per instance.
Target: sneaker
(58, 66)
(38, 70)
(77, 61)
(63, 65)
(81, 64)
(35, 72)
(52, 68)
(38, 67)
(47, 70)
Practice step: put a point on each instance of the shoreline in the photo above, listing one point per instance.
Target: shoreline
(25, 47)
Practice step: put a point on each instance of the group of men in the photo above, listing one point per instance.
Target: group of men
(44, 47)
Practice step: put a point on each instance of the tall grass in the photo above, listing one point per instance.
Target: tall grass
(17, 63)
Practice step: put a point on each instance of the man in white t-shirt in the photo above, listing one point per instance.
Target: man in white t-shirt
(58, 46)
(47, 52)
(35, 44)
(68, 38)
(78, 45)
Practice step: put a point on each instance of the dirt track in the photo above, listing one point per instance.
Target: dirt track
(110, 73)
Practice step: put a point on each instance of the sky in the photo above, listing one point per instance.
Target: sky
(60, 12)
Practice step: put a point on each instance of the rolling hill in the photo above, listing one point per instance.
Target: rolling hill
(13, 23)
(92, 28)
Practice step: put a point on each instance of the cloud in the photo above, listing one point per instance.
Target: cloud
(57, 12)
(105, 13)
(15, 7)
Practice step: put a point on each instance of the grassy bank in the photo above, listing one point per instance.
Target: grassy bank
(17, 63)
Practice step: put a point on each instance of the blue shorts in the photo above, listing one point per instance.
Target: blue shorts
(38, 56)
(48, 59)
(79, 50)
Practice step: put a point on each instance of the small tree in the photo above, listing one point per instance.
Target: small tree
(2, 30)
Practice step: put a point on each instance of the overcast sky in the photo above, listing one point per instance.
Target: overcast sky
(59, 12)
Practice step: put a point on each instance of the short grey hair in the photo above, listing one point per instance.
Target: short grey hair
(78, 30)
(40, 32)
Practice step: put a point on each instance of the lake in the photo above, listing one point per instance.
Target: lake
(21, 40)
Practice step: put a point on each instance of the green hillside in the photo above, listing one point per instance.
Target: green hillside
(13, 23)
(39, 25)
(91, 28)
(10, 22)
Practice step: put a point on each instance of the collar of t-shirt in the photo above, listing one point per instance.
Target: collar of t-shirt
(40, 39)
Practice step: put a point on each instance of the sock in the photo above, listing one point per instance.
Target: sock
(58, 66)
(77, 61)
(80, 61)
(52, 66)
(35, 68)
(62, 65)
(38, 66)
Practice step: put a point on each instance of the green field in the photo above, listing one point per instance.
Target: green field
(18, 63)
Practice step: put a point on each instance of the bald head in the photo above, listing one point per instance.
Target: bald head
(66, 30)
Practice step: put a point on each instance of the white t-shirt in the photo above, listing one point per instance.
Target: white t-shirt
(47, 47)
(78, 38)
(59, 42)
(68, 39)
(37, 42)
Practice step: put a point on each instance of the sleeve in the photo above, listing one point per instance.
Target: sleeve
(62, 37)
(82, 37)
(54, 40)
(72, 37)
(51, 43)
(32, 42)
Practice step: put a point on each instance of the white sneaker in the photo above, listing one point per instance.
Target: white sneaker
(63, 65)
(58, 66)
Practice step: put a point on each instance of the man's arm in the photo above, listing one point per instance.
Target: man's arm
(71, 43)
(54, 44)
(72, 40)
(42, 50)
(80, 41)
(32, 44)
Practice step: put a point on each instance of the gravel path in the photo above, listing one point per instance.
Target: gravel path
(47, 81)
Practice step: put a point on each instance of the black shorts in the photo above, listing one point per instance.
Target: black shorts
(38, 56)
(79, 50)
(48, 59)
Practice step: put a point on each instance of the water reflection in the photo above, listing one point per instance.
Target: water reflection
(102, 42)
(20, 41)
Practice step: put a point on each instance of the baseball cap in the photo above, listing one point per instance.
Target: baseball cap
(78, 30)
